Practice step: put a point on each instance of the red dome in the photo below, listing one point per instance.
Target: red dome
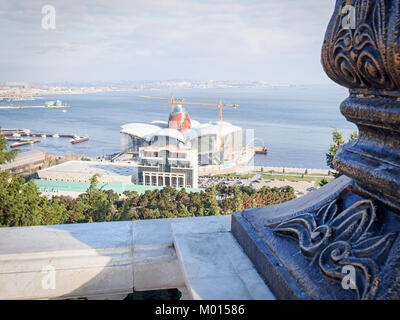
(179, 121)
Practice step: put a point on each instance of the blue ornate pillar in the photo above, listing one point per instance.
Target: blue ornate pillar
(342, 241)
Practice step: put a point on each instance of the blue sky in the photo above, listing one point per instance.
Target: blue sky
(278, 41)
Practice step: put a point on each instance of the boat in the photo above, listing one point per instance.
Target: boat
(78, 140)
(260, 150)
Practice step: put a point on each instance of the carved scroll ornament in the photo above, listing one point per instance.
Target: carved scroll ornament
(367, 57)
(333, 239)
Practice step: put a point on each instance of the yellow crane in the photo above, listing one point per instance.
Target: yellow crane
(172, 101)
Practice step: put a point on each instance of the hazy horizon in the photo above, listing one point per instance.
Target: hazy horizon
(132, 82)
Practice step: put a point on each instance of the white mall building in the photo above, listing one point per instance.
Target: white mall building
(216, 142)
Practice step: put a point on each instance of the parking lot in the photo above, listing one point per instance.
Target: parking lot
(256, 181)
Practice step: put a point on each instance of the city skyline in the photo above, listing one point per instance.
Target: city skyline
(277, 42)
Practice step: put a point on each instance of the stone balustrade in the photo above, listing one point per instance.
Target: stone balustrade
(109, 260)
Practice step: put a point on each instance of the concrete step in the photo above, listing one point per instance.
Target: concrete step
(214, 265)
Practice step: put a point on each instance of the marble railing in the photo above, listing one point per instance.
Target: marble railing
(96, 260)
(109, 260)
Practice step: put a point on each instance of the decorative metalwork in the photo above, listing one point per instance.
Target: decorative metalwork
(367, 57)
(336, 239)
(366, 60)
(364, 57)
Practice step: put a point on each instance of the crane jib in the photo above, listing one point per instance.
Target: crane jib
(173, 101)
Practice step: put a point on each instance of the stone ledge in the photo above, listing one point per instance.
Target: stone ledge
(96, 260)
(214, 265)
(109, 260)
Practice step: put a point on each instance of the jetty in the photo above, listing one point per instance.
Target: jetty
(20, 135)
(48, 105)
(34, 107)
(79, 140)
(21, 142)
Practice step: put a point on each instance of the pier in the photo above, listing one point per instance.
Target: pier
(34, 107)
(21, 142)
(79, 140)
(20, 134)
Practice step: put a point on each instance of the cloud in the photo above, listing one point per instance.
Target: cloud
(149, 52)
(214, 39)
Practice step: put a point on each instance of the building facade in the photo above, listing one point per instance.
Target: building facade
(168, 166)
(25, 162)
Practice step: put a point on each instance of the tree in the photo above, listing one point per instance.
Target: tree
(94, 180)
(21, 204)
(226, 206)
(74, 207)
(211, 204)
(338, 141)
(323, 182)
(237, 203)
(97, 204)
(6, 156)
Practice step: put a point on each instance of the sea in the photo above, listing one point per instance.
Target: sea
(295, 123)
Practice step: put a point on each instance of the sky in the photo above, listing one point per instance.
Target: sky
(278, 41)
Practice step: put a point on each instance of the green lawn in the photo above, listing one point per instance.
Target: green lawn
(296, 173)
(295, 178)
(279, 175)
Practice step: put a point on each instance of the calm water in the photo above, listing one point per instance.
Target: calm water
(295, 123)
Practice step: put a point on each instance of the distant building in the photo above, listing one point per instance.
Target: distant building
(216, 142)
(82, 171)
(25, 162)
(13, 84)
(73, 189)
(72, 178)
(168, 166)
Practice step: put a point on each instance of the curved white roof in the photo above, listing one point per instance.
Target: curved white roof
(160, 123)
(190, 134)
(167, 132)
(140, 130)
(148, 131)
(216, 128)
(195, 123)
